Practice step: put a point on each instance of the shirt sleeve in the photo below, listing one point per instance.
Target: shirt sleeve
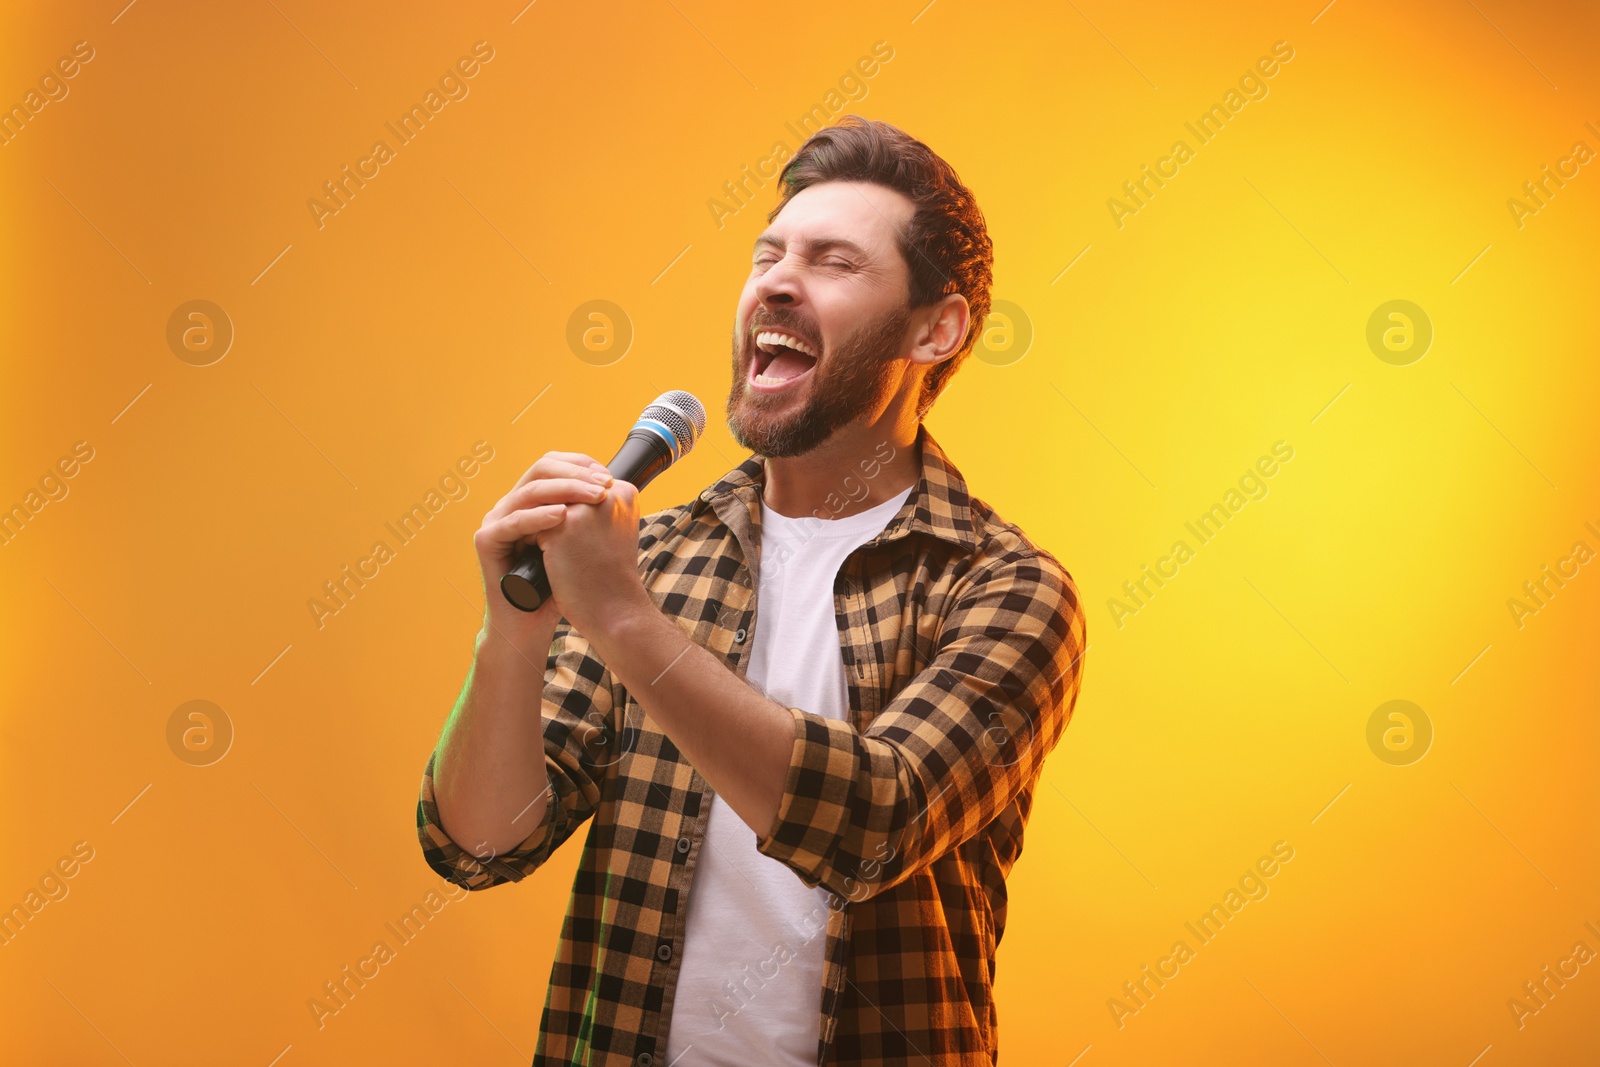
(863, 811)
(581, 703)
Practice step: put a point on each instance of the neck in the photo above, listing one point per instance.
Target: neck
(858, 467)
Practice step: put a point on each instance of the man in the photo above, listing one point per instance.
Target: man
(802, 814)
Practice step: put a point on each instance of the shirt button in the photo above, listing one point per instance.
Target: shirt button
(663, 951)
(644, 1059)
(683, 844)
(739, 635)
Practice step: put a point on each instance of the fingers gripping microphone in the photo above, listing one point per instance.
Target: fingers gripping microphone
(664, 434)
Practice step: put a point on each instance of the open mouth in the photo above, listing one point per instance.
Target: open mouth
(781, 359)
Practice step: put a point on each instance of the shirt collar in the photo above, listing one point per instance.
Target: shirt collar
(938, 505)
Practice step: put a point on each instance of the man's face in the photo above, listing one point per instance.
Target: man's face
(826, 275)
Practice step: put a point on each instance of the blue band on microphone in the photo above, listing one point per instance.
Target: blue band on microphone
(660, 430)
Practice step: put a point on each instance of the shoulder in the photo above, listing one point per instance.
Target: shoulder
(1024, 569)
(1002, 542)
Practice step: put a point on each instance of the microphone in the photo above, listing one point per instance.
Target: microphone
(664, 434)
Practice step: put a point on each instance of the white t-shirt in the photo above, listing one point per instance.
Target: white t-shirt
(750, 984)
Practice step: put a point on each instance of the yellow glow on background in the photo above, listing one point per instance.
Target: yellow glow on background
(1168, 354)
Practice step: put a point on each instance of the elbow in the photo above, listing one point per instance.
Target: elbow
(854, 869)
(456, 877)
(485, 863)
(487, 840)
(861, 870)
(865, 839)
(889, 864)
(485, 831)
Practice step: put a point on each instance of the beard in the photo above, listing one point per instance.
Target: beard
(853, 380)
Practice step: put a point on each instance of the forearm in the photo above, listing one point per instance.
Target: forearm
(738, 739)
(489, 772)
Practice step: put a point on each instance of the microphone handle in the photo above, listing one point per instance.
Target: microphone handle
(642, 456)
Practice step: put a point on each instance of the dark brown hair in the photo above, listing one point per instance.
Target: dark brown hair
(946, 247)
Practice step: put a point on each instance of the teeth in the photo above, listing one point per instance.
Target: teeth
(772, 337)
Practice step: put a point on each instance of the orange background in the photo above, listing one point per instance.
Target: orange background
(1230, 312)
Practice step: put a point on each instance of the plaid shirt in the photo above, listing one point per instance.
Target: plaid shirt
(962, 644)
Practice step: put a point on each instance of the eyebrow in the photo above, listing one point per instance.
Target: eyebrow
(820, 244)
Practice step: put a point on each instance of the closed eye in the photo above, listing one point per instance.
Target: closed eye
(767, 261)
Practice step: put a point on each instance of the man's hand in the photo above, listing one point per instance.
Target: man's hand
(556, 483)
(592, 559)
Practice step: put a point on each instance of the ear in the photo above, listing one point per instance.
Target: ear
(939, 329)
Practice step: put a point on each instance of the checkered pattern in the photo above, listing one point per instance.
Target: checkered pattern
(963, 648)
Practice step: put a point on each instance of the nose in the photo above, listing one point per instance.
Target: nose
(779, 284)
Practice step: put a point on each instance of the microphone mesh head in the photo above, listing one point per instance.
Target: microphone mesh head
(681, 413)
